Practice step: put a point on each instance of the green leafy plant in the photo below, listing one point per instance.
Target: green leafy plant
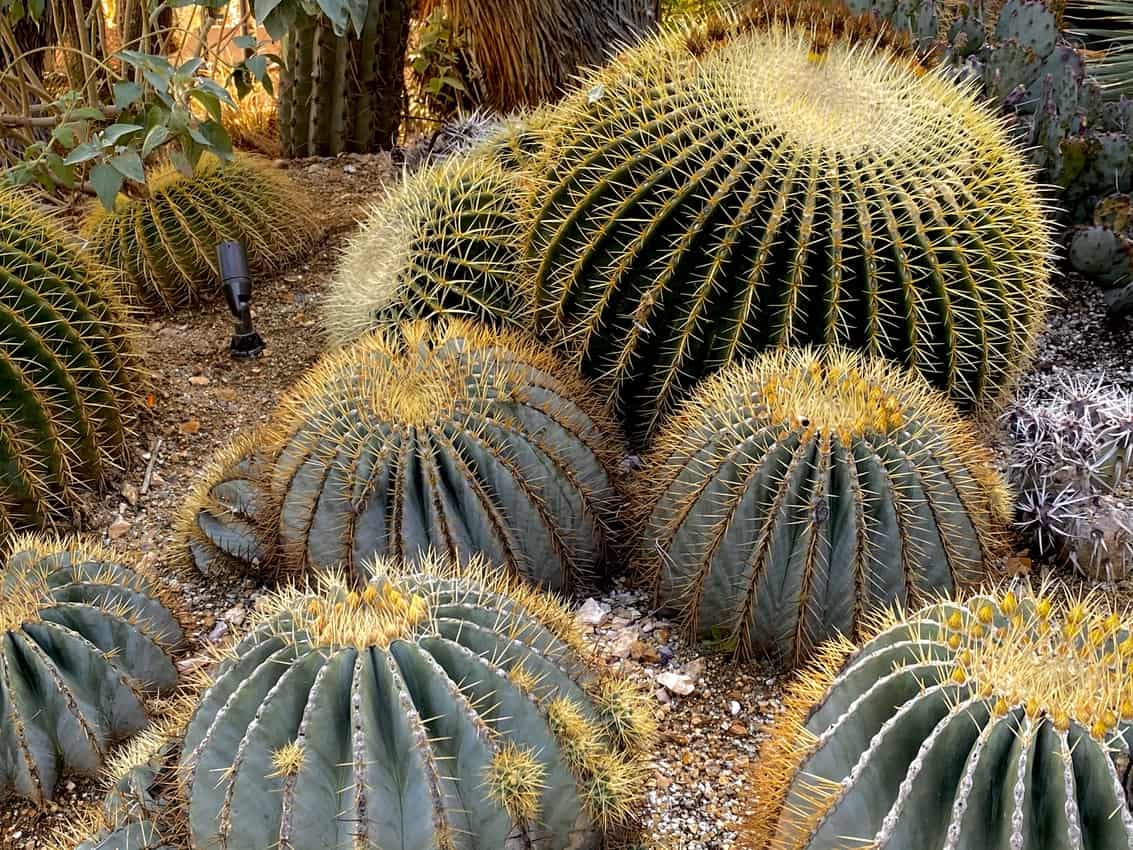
(440, 67)
(795, 495)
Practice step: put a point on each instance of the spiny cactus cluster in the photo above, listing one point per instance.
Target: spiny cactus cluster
(85, 639)
(450, 437)
(690, 213)
(443, 242)
(165, 244)
(1071, 456)
(68, 372)
(797, 493)
(999, 717)
(430, 707)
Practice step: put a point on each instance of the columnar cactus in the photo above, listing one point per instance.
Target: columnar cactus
(431, 707)
(86, 637)
(794, 494)
(450, 437)
(442, 243)
(992, 722)
(67, 370)
(769, 194)
(165, 244)
(224, 525)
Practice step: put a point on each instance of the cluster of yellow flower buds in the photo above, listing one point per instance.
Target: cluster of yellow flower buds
(374, 616)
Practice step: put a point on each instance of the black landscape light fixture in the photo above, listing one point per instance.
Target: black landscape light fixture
(237, 283)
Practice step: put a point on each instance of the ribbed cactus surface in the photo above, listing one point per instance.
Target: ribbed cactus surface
(67, 371)
(165, 244)
(450, 437)
(442, 243)
(770, 193)
(996, 722)
(85, 639)
(429, 708)
(795, 493)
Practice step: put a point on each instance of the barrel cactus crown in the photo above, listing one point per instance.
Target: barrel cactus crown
(996, 719)
(432, 707)
(86, 639)
(795, 493)
(165, 244)
(442, 243)
(693, 212)
(67, 370)
(444, 436)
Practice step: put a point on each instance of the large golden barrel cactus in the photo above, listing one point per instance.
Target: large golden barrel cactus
(696, 209)
(67, 370)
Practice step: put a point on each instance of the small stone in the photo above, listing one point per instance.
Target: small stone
(640, 651)
(665, 653)
(592, 613)
(622, 645)
(199, 381)
(130, 493)
(118, 529)
(662, 696)
(695, 668)
(234, 615)
(734, 708)
(738, 729)
(195, 662)
(218, 631)
(677, 683)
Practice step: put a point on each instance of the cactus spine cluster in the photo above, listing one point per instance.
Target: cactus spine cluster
(85, 639)
(67, 370)
(165, 244)
(794, 494)
(444, 436)
(995, 719)
(432, 707)
(692, 212)
(442, 243)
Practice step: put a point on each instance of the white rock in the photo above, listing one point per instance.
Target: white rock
(677, 683)
(593, 612)
(734, 708)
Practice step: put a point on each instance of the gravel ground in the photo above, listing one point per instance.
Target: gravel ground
(712, 712)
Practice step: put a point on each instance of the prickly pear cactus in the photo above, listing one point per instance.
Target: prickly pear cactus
(995, 720)
(443, 243)
(67, 371)
(445, 436)
(432, 707)
(224, 527)
(795, 494)
(86, 638)
(692, 213)
(165, 244)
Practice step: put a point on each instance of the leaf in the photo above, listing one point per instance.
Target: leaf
(155, 138)
(216, 90)
(246, 42)
(107, 182)
(189, 67)
(257, 66)
(209, 101)
(64, 174)
(92, 113)
(64, 134)
(129, 165)
(113, 134)
(181, 163)
(126, 93)
(217, 138)
(82, 153)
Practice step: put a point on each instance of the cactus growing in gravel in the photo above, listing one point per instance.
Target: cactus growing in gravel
(222, 525)
(690, 213)
(86, 637)
(165, 244)
(444, 436)
(794, 494)
(431, 707)
(995, 722)
(66, 367)
(442, 243)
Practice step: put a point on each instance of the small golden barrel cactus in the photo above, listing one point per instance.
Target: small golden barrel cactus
(431, 707)
(165, 244)
(442, 243)
(996, 721)
(692, 210)
(795, 493)
(68, 372)
(445, 436)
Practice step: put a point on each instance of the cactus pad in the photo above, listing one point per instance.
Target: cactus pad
(67, 370)
(442, 243)
(85, 638)
(772, 194)
(998, 719)
(793, 494)
(165, 244)
(431, 707)
(450, 437)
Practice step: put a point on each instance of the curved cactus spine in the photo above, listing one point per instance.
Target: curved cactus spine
(443, 243)
(223, 527)
(67, 370)
(450, 437)
(693, 212)
(85, 637)
(998, 718)
(430, 707)
(165, 244)
(794, 494)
